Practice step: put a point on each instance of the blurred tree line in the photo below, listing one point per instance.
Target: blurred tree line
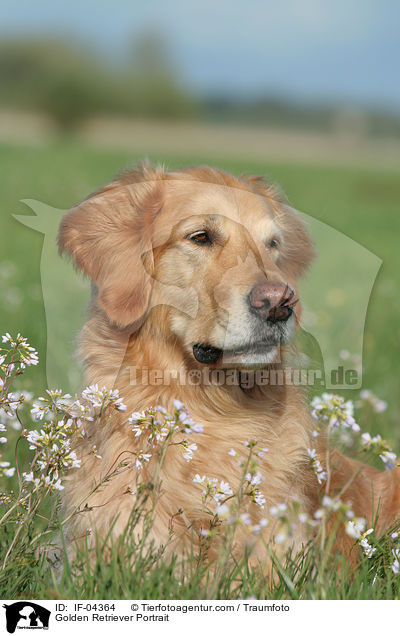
(70, 85)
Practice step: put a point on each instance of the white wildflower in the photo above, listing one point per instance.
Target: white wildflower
(95, 452)
(142, 458)
(189, 450)
(254, 479)
(259, 498)
(396, 561)
(244, 518)
(388, 458)
(280, 510)
(355, 527)
(334, 411)
(222, 491)
(316, 466)
(101, 397)
(367, 397)
(381, 447)
(365, 545)
(222, 510)
(5, 469)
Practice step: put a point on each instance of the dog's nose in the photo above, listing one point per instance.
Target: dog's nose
(272, 301)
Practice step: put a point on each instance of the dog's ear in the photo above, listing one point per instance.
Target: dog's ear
(109, 237)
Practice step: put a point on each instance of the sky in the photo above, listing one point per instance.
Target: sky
(307, 50)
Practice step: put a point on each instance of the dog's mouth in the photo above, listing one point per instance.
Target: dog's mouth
(207, 354)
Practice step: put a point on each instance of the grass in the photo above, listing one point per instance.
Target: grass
(360, 203)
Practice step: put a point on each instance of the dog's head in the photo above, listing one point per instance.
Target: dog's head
(221, 253)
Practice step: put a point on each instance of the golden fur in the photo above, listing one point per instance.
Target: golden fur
(155, 295)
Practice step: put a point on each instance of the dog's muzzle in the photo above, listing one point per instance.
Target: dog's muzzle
(273, 304)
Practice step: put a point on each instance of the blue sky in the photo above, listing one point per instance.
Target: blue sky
(329, 50)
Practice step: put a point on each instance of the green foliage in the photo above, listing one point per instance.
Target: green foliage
(135, 569)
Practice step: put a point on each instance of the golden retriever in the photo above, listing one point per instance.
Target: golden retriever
(197, 269)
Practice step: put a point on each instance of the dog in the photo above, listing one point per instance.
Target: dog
(198, 269)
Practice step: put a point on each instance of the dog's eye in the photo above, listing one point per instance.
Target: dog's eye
(273, 243)
(201, 237)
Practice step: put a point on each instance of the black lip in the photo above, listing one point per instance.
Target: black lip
(207, 354)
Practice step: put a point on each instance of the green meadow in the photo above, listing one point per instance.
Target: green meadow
(360, 203)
